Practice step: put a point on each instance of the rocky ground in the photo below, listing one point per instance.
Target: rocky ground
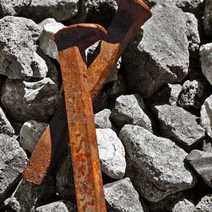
(153, 116)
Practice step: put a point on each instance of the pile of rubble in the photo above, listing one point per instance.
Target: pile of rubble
(153, 116)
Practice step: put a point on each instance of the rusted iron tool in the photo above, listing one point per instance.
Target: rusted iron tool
(136, 13)
(80, 117)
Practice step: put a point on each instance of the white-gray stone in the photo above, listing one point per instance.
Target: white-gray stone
(121, 196)
(30, 133)
(5, 126)
(205, 205)
(18, 56)
(102, 119)
(46, 41)
(157, 164)
(130, 109)
(179, 125)
(12, 7)
(206, 62)
(13, 161)
(184, 206)
(111, 153)
(160, 54)
(25, 101)
(206, 115)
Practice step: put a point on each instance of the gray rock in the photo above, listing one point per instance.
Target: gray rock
(13, 161)
(111, 153)
(206, 115)
(157, 164)
(18, 56)
(160, 55)
(192, 95)
(206, 62)
(121, 196)
(130, 109)
(102, 119)
(5, 126)
(202, 164)
(46, 40)
(59, 9)
(12, 204)
(30, 133)
(25, 101)
(168, 95)
(208, 17)
(192, 34)
(179, 125)
(58, 206)
(14, 7)
(183, 206)
(205, 205)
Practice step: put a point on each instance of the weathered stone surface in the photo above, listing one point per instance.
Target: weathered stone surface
(14, 7)
(157, 164)
(130, 109)
(111, 153)
(184, 206)
(58, 206)
(46, 40)
(18, 56)
(206, 62)
(30, 133)
(202, 164)
(192, 34)
(25, 101)
(208, 17)
(13, 160)
(168, 95)
(205, 205)
(102, 119)
(59, 9)
(5, 126)
(179, 125)
(121, 196)
(206, 115)
(192, 95)
(160, 55)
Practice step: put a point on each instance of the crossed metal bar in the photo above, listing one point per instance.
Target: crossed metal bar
(80, 85)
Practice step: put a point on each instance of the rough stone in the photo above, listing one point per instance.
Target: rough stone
(184, 206)
(121, 196)
(206, 115)
(205, 205)
(30, 133)
(25, 101)
(46, 41)
(58, 206)
(14, 7)
(202, 164)
(192, 34)
(102, 119)
(192, 95)
(59, 9)
(179, 125)
(208, 17)
(130, 109)
(111, 153)
(18, 56)
(168, 95)
(160, 54)
(157, 164)
(206, 62)
(13, 161)
(5, 126)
